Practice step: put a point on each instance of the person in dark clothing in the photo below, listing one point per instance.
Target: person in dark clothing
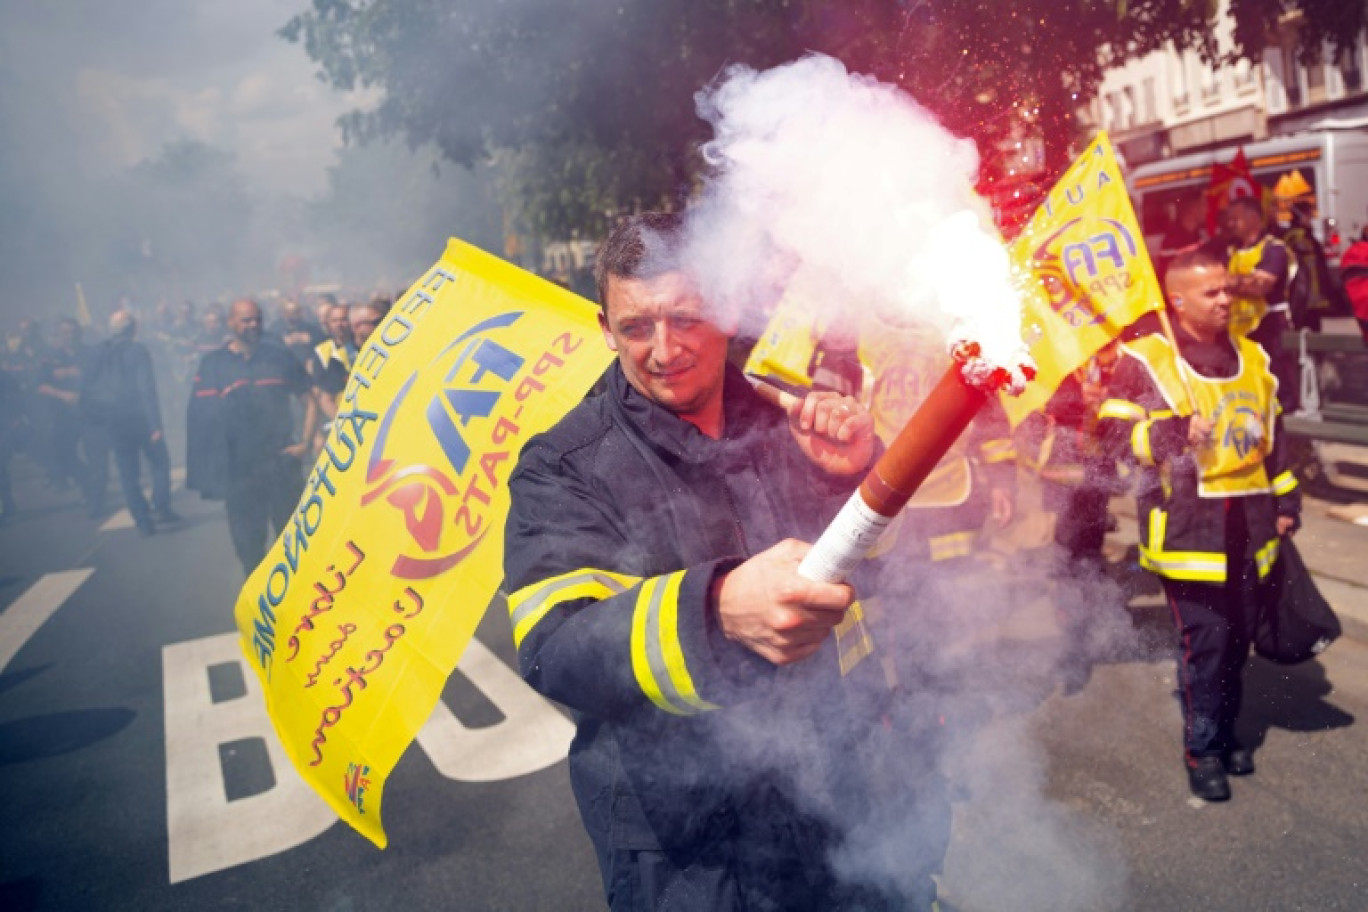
(296, 332)
(119, 399)
(1258, 272)
(59, 383)
(10, 429)
(1215, 498)
(653, 590)
(1311, 294)
(241, 445)
(331, 361)
(1184, 234)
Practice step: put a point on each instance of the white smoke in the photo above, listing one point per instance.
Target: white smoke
(847, 186)
(851, 182)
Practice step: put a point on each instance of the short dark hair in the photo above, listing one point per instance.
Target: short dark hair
(640, 246)
(1254, 206)
(1196, 258)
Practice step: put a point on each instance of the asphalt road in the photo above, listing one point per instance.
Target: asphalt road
(137, 768)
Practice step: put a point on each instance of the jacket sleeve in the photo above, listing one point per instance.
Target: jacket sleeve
(593, 637)
(1135, 422)
(1278, 465)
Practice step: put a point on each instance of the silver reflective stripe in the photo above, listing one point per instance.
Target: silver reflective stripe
(543, 596)
(655, 653)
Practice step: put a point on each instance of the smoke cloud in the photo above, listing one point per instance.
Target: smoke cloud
(847, 188)
(849, 183)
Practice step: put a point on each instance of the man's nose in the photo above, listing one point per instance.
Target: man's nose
(664, 343)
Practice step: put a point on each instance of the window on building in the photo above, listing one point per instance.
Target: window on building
(1151, 112)
(1291, 77)
(1211, 83)
(1350, 70)
(1180, 80)
(1130, 109)
(1315, 83)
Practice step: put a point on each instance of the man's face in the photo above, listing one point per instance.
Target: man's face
(1201, 298)
(339, 329)
(1244, 224)
(290, 312)
(245, 321)
(668, 350)
(363, 319)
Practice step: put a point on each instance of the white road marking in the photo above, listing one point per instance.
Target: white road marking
(124, 520)
(531, 737)
(28, 612)
(205, 831)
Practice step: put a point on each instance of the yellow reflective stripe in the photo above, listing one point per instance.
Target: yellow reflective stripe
(1285, 483)
(1140, 443)
(657, 655)
(1158, 528)
(853, 642)
(1121, 409)
(1266, 556)
(997, 450)
(956, 544)
(1162, 413)
(531, 603)
(1193, 566)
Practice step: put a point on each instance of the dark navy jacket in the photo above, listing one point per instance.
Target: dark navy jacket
(686, 742)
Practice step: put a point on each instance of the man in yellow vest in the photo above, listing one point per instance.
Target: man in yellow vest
(1259, 266)
(1215, 497)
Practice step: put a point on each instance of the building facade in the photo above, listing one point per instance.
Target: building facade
(1170, 103)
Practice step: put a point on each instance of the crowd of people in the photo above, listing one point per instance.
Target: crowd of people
(71, 404)
(656, 522)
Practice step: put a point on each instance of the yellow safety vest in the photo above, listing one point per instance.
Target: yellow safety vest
(1242, 409)
(328, 350)
(1246, 313)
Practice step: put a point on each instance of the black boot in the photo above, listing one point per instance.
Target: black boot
(1207, 779)
(1238, 761)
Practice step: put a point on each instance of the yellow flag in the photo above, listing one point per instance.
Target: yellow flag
(1088, 273)
(82, 309)
(785, 348)
(363, 607)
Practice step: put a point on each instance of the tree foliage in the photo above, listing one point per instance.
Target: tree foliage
(588, 106)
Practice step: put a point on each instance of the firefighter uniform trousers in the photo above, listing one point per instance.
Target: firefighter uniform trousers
(1207, 518)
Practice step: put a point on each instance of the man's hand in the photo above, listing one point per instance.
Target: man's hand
(767, 607)
(295, 449)
(1287, 525)
(1199, 432)
(834, 431)
(156, 435)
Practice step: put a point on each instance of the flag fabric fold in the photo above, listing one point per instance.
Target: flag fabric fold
(1084, 272)
(364, 605)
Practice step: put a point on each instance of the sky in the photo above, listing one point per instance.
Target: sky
(128, 77)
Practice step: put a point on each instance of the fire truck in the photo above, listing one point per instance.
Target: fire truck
(1326, 167)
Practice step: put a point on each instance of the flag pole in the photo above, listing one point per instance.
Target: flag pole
(1177, 357)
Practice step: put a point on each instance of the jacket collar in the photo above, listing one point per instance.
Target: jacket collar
(743, 410)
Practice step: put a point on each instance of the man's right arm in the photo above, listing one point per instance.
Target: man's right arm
(1136, 424)
(589, 634)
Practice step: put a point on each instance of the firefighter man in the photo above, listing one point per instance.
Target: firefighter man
(653, 589)
(1259, 268)
(1214, 497)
